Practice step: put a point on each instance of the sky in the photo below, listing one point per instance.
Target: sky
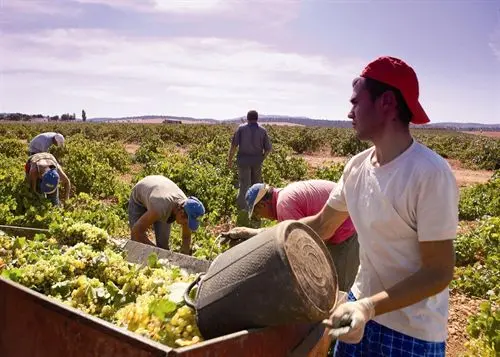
(220, 58)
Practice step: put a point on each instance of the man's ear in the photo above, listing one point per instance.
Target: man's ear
(180, 210)
(388, 100)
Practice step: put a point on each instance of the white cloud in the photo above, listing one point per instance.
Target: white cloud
(44, 7)
(116, 75)
(175, 6)
(495, 41)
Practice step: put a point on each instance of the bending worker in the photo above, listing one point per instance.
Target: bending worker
(158, 201)
(298, 200)
(44, 173)
(42, 142)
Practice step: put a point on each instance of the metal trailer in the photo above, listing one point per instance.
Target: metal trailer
(34, 325)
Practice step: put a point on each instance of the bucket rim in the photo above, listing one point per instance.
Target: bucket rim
(289, 225)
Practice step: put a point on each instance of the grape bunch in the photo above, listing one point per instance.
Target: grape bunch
(71, 233)
(160, 320)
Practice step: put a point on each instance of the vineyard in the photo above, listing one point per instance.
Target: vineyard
(78, 264)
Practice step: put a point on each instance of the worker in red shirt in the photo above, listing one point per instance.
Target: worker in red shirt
(298, 200)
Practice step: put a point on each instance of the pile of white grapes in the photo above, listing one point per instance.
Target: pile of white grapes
(78, 265)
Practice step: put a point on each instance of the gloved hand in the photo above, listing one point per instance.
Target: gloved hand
(239, 233)
(349, 319)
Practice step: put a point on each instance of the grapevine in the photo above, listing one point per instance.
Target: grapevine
(77, 264)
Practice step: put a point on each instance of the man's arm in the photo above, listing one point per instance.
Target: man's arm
(138, 231)
(326, 221)
(267, 145)
(33, 176)
(230, 157)
(66, 183)
(437, 221)
(186, 240)
(235, 141)
(435, 274)
(266, 153)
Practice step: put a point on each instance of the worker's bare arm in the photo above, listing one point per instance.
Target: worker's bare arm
(33, 177)
(186, 240)
(435, 274)
(326, 221)
(66, 183)
(230, 157)
(138, 231)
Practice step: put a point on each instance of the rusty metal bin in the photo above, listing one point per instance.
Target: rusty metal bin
(33, 325)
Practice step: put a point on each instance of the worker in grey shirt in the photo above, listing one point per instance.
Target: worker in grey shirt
(43, 141)
(253, 145)
(158, 201)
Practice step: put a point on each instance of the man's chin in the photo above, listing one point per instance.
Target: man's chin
(359, 134)
(362, 135)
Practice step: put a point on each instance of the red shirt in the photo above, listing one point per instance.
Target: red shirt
(306, 198)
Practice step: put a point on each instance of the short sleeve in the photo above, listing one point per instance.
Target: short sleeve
(437, 207)
(336, 200)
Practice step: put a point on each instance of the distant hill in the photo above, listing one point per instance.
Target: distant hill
(304, 121)
(263, 118)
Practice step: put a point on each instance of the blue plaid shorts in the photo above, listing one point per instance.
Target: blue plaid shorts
(381, 341)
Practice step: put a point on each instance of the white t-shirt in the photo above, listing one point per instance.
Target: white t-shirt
(42, 142)
(412, 199)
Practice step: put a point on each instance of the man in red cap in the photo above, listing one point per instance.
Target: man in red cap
(403, 200)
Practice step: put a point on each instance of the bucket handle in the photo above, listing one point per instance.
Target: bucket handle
(189, 302)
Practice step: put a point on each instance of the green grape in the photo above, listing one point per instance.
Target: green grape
(69, 233)
(101, 282)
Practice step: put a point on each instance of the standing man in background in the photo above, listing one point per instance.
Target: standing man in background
(43, 141)
(253, 145)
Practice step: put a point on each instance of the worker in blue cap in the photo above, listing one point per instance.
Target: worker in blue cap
(158, 201)
(44, 174)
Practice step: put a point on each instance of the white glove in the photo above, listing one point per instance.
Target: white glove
(349, 319)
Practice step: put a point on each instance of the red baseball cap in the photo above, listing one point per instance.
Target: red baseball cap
(397, 73)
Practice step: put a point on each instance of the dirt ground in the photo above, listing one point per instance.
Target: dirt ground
(461, 308)
(465, 177)
(131, 148)
(491, 134)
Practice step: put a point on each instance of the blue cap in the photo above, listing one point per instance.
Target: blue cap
(194, 209)
(254, 195)
(50, 180)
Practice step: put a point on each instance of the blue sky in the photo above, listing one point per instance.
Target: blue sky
(220, 58)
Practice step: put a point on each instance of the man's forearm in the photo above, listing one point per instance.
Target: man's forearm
(33, 186)
(140, 236)
(325, 224)
(186, 244)
(232, 150)
(67, 189)
(421, 285)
